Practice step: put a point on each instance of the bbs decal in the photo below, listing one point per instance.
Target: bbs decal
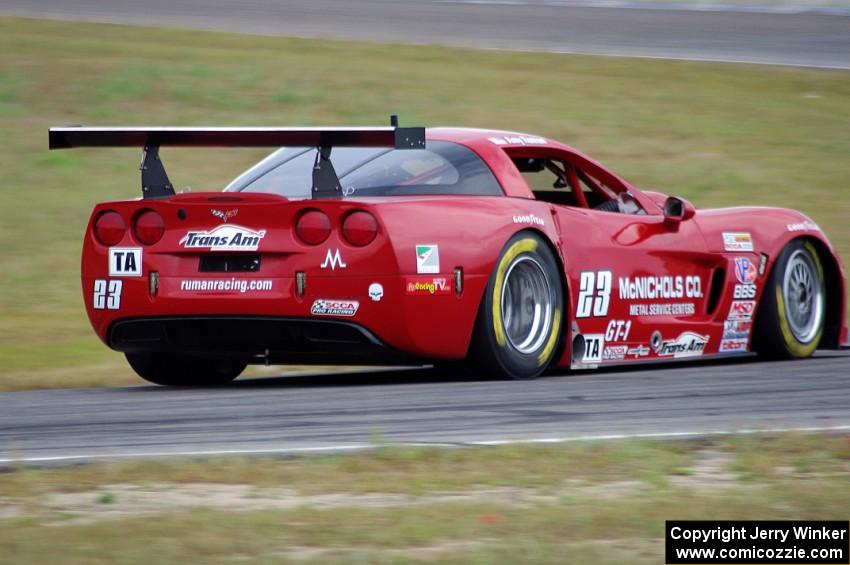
(594, 295)
(744, 291)
(107, 294)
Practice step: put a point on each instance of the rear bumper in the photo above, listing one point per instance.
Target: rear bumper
(262, 338)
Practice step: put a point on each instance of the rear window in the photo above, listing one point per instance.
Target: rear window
(442, 168)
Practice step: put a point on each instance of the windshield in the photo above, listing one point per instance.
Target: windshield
(443, 168)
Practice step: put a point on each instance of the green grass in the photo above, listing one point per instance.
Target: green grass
(568, 503)
(716, 134)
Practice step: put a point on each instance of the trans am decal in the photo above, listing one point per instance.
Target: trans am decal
(688, 344)
(229, 237)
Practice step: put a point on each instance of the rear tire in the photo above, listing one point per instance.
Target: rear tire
(173, 369)
(519, 322)
(792, 313)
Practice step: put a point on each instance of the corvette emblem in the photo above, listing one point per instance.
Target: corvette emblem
(224, 214)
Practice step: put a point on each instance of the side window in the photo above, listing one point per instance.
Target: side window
(547, 179)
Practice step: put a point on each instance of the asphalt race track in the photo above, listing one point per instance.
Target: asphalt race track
(349, 411)
(804, 39)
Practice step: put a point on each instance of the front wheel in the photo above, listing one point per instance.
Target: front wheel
(791, 317)
(174, 369)
(519, 322)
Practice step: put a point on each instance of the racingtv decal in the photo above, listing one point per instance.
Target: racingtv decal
(688, 344)
(125, 261)
(226, 285)
(737, 241)
(427, 286)
(665, 286)
(107, 294)
(427, 259)
(328, 307)
(226, 237)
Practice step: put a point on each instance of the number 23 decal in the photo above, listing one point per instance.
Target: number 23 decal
(107, 294)
(594, 294)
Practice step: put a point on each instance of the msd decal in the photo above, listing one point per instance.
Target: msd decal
(227, 237)
(432, 286)
(745, 270)
(742, 310)
(737, 241)
(326, 307)
(427, 259)
(688, 344)
(125, 261)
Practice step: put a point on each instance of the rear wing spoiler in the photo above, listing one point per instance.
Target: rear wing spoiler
(155, 182)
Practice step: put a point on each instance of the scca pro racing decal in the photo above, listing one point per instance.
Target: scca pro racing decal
(125, 261)
(688, 344)
(226, 237)
(107, 294)
(327, 307)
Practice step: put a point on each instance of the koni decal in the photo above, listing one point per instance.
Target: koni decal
(226, 237)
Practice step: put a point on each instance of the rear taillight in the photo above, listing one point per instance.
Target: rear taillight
(359, 228)
(148, 227)
(313, 227)
(109, 228)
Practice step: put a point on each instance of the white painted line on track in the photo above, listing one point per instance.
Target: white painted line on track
(355, 447)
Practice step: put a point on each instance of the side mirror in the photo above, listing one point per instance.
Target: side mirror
(676, 211)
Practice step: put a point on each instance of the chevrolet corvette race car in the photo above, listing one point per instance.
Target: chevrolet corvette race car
(406, 245)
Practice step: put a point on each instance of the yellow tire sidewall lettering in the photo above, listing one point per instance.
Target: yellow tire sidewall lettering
(517, 248)
(796, 348)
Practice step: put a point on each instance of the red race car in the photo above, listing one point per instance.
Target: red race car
(405, 245)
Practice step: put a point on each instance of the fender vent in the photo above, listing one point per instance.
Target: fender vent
(718, 279)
